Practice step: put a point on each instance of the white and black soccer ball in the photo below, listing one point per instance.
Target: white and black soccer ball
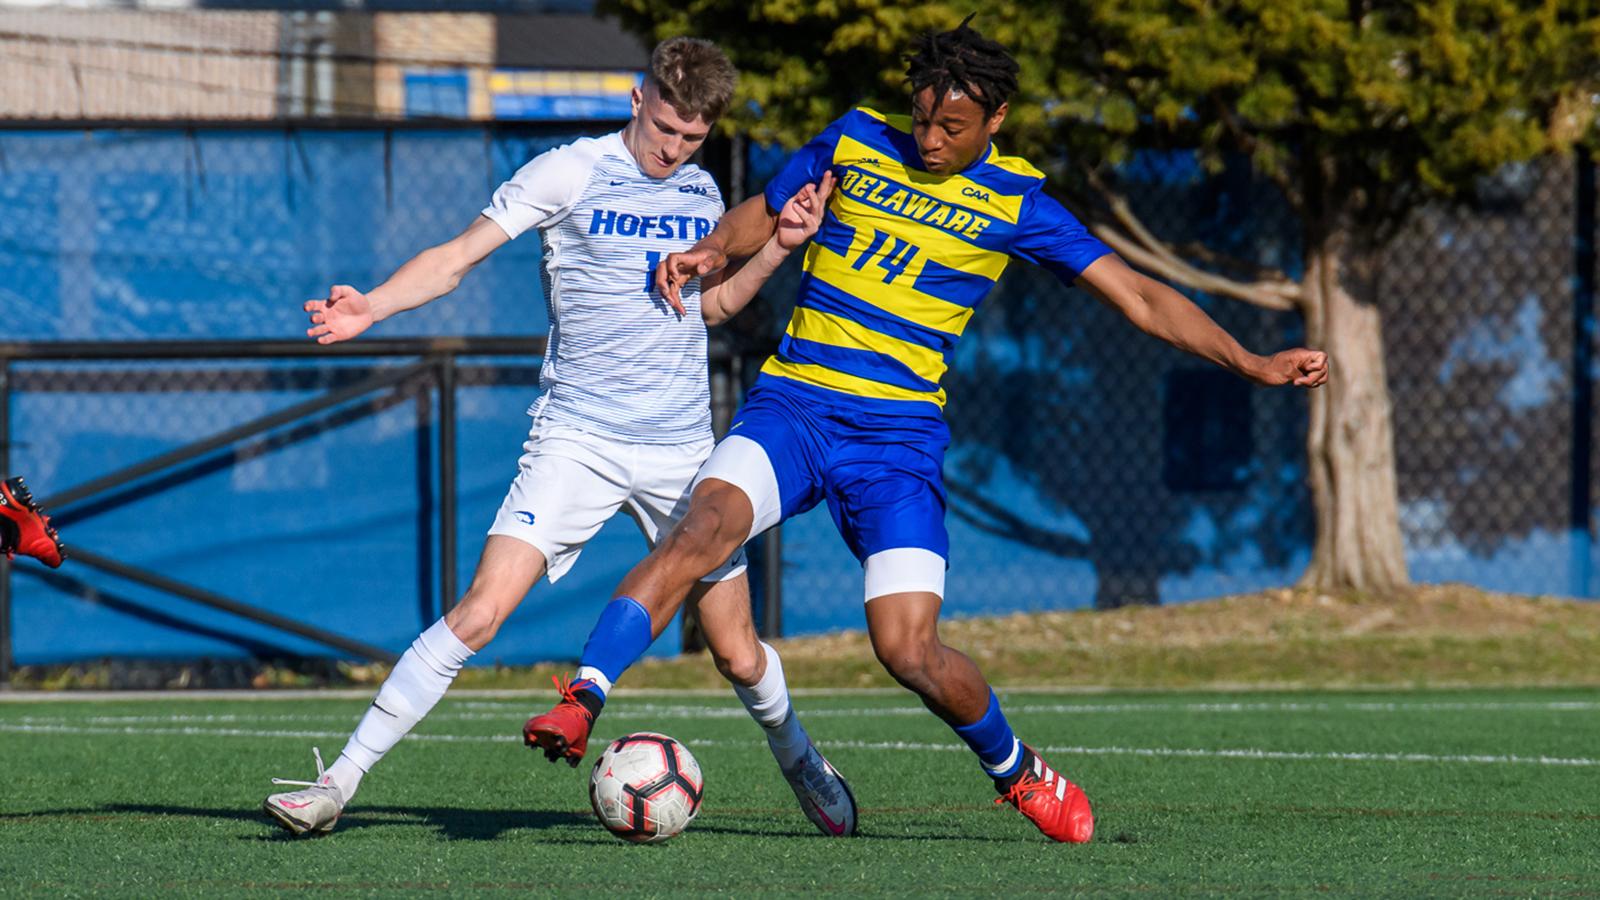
(646, 787)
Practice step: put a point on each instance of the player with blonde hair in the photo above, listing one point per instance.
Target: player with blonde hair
(623, 422)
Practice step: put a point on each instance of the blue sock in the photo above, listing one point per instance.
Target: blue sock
(619, 638)
(990, 737)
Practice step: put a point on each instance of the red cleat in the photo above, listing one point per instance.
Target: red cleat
(1051, 802)
(563, 732)
(24, 528)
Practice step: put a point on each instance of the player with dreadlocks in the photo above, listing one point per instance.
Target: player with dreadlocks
(966, 62)
(849, 411)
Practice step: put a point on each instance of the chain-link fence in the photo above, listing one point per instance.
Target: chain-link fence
(204, 236)
(1482, 309)
(1090, 464)
(1093, 465)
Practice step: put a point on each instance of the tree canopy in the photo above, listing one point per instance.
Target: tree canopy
(1380, 105)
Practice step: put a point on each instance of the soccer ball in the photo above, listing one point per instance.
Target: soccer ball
(646, 787)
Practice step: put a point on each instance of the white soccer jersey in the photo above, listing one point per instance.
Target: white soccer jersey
(620, 362)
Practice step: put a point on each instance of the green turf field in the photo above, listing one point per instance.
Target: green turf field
(1400, 794)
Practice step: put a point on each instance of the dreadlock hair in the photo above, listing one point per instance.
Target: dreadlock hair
(964, 60)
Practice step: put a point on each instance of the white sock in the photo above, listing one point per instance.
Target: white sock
(590, 673)
(768, 703)
(419, 679)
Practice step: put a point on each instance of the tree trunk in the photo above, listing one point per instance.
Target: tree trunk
(1350, 445)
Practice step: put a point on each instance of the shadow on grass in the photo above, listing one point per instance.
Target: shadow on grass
(460, 823)
(457, 824)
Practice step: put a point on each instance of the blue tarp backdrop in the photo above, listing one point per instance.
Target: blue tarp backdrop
(130, 236)
(1061, 472)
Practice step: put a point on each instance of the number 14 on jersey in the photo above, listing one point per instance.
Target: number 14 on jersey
(894, 257)
(889, 253)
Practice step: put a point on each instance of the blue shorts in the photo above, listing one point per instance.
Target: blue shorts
(882, 475)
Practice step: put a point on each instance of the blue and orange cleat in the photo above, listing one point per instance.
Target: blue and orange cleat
(1051, 802)
(563, 732)
(24, 527)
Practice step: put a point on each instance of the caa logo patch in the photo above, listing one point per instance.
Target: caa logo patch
(974, 192)
(524, 516)
(693, 189)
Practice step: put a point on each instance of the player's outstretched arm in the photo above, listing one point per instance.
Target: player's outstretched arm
(1163, 312)
(741, 232)
(727, 292)
(346, 312)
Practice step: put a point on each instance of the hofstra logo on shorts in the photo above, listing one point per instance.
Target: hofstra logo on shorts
(684, 228)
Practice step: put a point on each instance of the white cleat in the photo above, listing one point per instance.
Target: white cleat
(314, 809)
(824, 795)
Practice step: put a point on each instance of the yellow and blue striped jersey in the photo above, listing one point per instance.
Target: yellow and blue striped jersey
(903, 257)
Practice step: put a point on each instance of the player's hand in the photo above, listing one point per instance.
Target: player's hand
(346, 313)
(802, 215)
(679, 268)
(1299, 367)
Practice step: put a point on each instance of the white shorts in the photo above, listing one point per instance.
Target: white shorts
(744, 464)
(572, 482)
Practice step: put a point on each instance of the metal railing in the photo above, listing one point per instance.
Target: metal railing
(435, 368)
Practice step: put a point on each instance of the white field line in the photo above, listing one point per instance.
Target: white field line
(624, 710)
(21, 697)
(730, 711)
(366, 693)
(1248, 753)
